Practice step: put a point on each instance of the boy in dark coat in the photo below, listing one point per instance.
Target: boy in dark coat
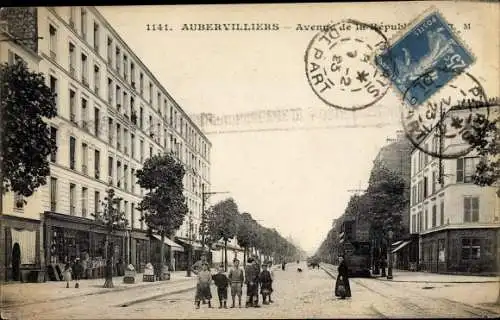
(251, 280)
(265, 281)
(221, 282)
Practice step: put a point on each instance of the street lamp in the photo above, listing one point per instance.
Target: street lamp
(389, 269)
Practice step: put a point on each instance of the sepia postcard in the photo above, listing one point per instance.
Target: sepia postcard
(294, 160)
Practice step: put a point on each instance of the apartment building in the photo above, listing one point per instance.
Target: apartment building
(113, 114)
(457, 222)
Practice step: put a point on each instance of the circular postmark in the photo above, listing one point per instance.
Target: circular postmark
(339, 67)
(442, 126)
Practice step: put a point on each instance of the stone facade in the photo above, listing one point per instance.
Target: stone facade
(22, 23)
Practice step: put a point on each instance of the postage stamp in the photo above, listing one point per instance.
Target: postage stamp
(428, 45)
(459, 109)
(339, 67)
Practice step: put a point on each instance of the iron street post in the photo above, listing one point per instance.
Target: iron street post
(389, 269)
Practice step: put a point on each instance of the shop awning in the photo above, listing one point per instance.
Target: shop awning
(170, 243)
(196, 245)
(401, 246)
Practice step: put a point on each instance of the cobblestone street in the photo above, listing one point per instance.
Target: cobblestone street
(299, 295)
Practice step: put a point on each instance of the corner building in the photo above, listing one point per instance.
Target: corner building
(457, 222)
(113, 114)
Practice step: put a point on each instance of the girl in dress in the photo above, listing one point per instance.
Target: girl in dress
(67, 274)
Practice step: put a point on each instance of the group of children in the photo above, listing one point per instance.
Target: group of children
(252, 276)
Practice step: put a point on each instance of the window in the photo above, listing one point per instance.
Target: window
(426, 183)
(72, 17)
(118, 137)
(434, 215)
(471, 249)
(53, 194)
(426, 217)
(110, 50)
(97, 79)
(125, 177)
(96, 37)
(132, 173)
(72, 57)
(118, 173)
(53, 137)
(72, 144)
(83, 21)
(110, 130)
(471, 209)
(118, 98)
(132, 74)
(72, 198)
(150, 151)
(125, 104)
(84, 70)
(117, 59)
(110, 170)
(158, 99)
(52, 41)
(142, 150)
(84, 114)
(420, 222)
(434, 181)
(466, 167)
(150, 92)
(125, 67)
(97, 164)
(72, 111)
(132, 216)
(141, 83)
(84, 158)
(141, 117)
(97, 198)
(84, 201)
(125, 141)
(132, 145)
(442, 212)
(110, 91)
(96, 121)
(53, 87)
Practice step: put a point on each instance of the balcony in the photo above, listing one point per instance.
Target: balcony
(84, 169)
(53, 55)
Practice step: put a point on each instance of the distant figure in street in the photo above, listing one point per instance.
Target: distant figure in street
(251, 280)
(265, 281)
(221, 282)
(272, 280)
(67, 274)
(203, 286)
(78, 271)
(236, 278)
(342, 287)
(283, 265)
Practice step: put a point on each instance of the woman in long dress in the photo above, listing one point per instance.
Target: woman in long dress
(342, 278)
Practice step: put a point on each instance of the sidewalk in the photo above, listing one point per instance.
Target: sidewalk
(427, 277)
(17, 294)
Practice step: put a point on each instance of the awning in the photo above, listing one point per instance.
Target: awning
(196, 245)
(401, 246)
(170, 243)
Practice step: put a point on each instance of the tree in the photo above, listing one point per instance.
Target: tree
(223, 223)
(164, 205)
(25, 137)
(113, 219)
(245, 233)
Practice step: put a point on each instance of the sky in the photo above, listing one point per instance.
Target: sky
(294, 181)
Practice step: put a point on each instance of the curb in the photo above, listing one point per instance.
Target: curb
(127, 304)
(430, 281)
(89, 294)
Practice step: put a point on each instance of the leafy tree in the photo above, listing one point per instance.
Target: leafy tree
(223, 223)
(164, 205)
(245, 233)
(25, 137)
(113, 219)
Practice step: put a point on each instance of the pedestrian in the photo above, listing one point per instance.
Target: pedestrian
(221, 282)
(272, 280)
(197, 266)
(203, 286)
(256, 265)
(265, 283)
(67, 274)
(78, 271)
(342, 287)
(236, 279)
(251, 280)
(283, 264)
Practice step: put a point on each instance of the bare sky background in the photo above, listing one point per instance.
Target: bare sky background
(295, 181)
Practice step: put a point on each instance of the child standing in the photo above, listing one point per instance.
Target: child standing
(67, 274)
(265, 283)
(236, 280)
(203, 286)
(272, 279)
(221, 282)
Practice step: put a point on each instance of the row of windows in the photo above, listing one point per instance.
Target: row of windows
(465, 169)
(126, 70)
(420, 221)
(422, 159)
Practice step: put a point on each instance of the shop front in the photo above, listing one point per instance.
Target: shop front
(68, 237)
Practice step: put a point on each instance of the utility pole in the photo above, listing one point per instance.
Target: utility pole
(190, 249)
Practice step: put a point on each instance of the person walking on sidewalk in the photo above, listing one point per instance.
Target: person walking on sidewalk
(236, 279)
(78, 270)
(342, 287)
(203, 286)
(67, 274)
(221, 282)
(251, 280)
(265, 283)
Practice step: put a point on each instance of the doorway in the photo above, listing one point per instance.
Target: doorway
(16, 262)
